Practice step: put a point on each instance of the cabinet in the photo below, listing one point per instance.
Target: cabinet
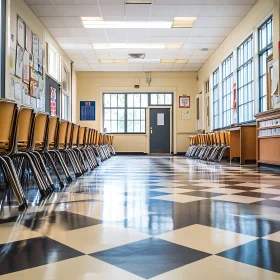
(268, 137)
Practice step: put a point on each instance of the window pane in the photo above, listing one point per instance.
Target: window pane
(107, 114)
(120, 114)
(130, 114)
(161, 99)
(120, 126)
(114, 126)
(168, 99)
(107, 126)
(137, 126)
(114, 100)
(107, 98)
(136, 101)
(154, 99)
(143, 126)
(143, 114)
(121, 100)
(144, 100)
(130, 100)
(114, 114)
(137, 113)
(130, 126)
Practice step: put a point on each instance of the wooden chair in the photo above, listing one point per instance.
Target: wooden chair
(8, 115)
(74, 146)
(217, 146)
(225, 144)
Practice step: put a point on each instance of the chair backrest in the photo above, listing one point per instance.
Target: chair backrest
(222, 137)
(75, 135)
(217, 136)
(62, 132)
(40, 131)
(227, 138)
(24, 126)
(87, 137)
(8, 115)
(81, 136)
(53, 133)
(69, 135)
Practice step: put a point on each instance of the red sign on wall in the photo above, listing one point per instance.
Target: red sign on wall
(52, 101)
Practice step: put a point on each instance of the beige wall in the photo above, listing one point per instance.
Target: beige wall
(19, 7)
(249, 25)
(91, 85)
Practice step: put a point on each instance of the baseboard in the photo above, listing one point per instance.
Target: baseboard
(130, 154)
(270, 166)
(180, 154)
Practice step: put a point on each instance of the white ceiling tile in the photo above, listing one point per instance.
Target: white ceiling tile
(141, 32)
(104, 56)
(73, 52)
(85, 46)
(242, 2)
(203, 40)
(164, 10)
(166, 39)
(44, 10)
(188, 10)
(76, 56)
(211, 10)
(78, 32)
(38, 2)
(142, 18)
(140, 10)
(52, 22)
(60, 32)
(110, 18)
(194, 65)
(215, 32)
(179, 2)
(112, 10)
(235, 10)
(136, 39)
(99, 52)
(77, 10)
(69, 46)
(72, 22)
(172, 32)
(204, 22)
(80, 61)
(226, 21)
(196, 61)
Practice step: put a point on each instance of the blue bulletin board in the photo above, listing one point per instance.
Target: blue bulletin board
(87, 110)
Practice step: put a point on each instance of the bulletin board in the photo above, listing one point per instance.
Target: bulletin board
(27, 55)
(87, 110)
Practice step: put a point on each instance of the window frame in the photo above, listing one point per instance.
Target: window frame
(261, 52)
(127, 108)
(216, 86)
(239, 68)
(56, 75)
(225, 80)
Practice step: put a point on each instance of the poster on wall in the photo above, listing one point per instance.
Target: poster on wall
(19, 61)
(40, 57)
(34, 84)
(52, 101)
(18, 90)
(25, 95)
(21, 32)
(12, 61)
(12, 88)
(87, 110)
(186, 114)
(184, 101)
(28, 39)
(35, 51)
(26, 73)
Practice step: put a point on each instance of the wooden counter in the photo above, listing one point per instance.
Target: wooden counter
(243, 143)
(268, 137)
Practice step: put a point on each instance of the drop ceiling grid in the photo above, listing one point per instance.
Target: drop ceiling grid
(215, 20)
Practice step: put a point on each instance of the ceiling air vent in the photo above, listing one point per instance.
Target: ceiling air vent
(136, 56)
(204, 50)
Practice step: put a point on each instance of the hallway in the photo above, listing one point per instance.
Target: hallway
(145, 217)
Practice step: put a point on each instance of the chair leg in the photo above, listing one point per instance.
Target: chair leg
(63, 165)
(81, 159)
(87, 158)
(12, 178)
(43, 188)
(49, 157)
(44, 169)
(77, 162)
(73, 164)
(222, 153)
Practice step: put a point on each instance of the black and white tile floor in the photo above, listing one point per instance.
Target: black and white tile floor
(149, 218)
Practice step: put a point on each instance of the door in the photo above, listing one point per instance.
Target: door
(160, 130)
(52, 96)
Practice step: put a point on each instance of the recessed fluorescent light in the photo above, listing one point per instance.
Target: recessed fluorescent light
(183, 22)
(126, 24)
(174, 45)
(167, 60)
(111, 61)
(138, 1)
(91, 18)
(181, 61)
(128, 46)
(152, 60)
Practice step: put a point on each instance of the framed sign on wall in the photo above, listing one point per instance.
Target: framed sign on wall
(184, 101)
(87, 110)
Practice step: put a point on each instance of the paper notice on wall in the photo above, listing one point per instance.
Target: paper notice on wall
(33, 102)
(18, 91)
(186, 114)
(12, 88)
(21, 32)
(12, 61)
(25, 95)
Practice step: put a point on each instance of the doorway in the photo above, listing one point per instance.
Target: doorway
(159, 130)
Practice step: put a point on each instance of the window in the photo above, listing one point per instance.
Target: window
(265, 49)
(161, 99)
(207, 89)
(245, 81)
(216, 99)
(65, 93)
(53, 62)
(2, 46)
(126, 112)
(227, 90)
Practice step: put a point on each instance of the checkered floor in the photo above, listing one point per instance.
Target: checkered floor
(155, 218)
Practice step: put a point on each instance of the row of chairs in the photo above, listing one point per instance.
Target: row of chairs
(209, 146)
(39, 145)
